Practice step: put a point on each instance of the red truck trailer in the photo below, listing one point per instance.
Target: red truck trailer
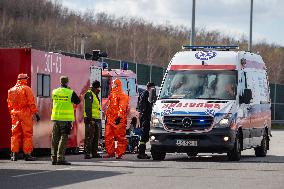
(44, 70)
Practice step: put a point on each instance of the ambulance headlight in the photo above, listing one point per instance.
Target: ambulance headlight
(224, 122)
(156, 121)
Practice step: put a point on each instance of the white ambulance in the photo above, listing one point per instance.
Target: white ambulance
(213, 99)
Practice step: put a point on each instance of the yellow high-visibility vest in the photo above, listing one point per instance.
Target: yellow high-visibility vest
(96, 110)
(62, 109)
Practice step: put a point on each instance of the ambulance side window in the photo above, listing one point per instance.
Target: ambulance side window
(132, 86)
(124, 85)
(251, 78)
(43, 85)
(262, 87)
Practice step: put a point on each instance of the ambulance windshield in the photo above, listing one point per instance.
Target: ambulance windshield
(200, 84)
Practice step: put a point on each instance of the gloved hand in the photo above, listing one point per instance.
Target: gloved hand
(37, 117)
(117, 120)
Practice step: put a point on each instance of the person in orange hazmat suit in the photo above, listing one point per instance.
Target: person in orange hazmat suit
(22, 108)
(116, 118)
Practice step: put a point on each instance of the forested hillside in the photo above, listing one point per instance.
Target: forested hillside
(48, 26)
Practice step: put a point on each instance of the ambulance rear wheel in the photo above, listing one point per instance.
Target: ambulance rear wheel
(261, 150)
(235, 153)
(156, 155)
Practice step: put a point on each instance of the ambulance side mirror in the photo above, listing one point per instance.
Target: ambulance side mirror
(152, 95)
(246, 97)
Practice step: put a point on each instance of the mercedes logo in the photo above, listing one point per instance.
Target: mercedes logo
(186, 122)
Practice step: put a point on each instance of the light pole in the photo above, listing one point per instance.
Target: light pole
(250, 27)
(192, 35)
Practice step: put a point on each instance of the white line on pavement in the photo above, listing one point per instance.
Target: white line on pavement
(37, 173)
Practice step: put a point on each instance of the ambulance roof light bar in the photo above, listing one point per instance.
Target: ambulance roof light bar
(212, 47)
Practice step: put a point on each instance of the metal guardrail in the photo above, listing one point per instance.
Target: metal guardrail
(277, 121)
(276, 91)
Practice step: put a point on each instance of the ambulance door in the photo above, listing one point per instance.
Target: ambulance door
(244, 110)
(252, 83)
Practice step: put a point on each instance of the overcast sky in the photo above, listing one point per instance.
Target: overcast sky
(228, 16)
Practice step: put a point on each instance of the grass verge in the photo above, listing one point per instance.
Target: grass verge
(277, 126)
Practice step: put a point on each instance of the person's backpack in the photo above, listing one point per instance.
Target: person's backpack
(152, 95)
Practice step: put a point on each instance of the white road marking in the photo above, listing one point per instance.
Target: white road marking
(66, 168)
(114, 161)
(37, 173)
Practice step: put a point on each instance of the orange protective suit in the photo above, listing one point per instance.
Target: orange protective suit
(21, 104)
(117, 107)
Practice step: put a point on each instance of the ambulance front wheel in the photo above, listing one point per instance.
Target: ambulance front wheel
(159, 156)
(235, 153)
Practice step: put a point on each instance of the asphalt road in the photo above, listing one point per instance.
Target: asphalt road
(177, 171)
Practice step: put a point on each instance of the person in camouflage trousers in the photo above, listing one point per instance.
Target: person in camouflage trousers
(92, 118)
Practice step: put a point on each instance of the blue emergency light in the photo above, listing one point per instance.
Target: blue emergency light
(104, 65)
(201, 120)
(216, 47)
(124, 65)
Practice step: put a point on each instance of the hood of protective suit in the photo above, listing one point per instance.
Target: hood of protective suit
(118, 101)
(117, 85)
(22, 79)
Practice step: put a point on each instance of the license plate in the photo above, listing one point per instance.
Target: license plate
(186, 143)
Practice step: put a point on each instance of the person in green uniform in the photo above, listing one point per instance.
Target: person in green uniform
(62, 115)
(92, 119)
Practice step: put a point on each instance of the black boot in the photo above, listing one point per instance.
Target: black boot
(143, 156)
(141, 153)
(14, 156)
(53, 160)
(28, 157)
(87, 156)
(63, 162)
(96, 155)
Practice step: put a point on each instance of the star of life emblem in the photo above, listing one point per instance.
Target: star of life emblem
(210, 112)
(167, 111)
